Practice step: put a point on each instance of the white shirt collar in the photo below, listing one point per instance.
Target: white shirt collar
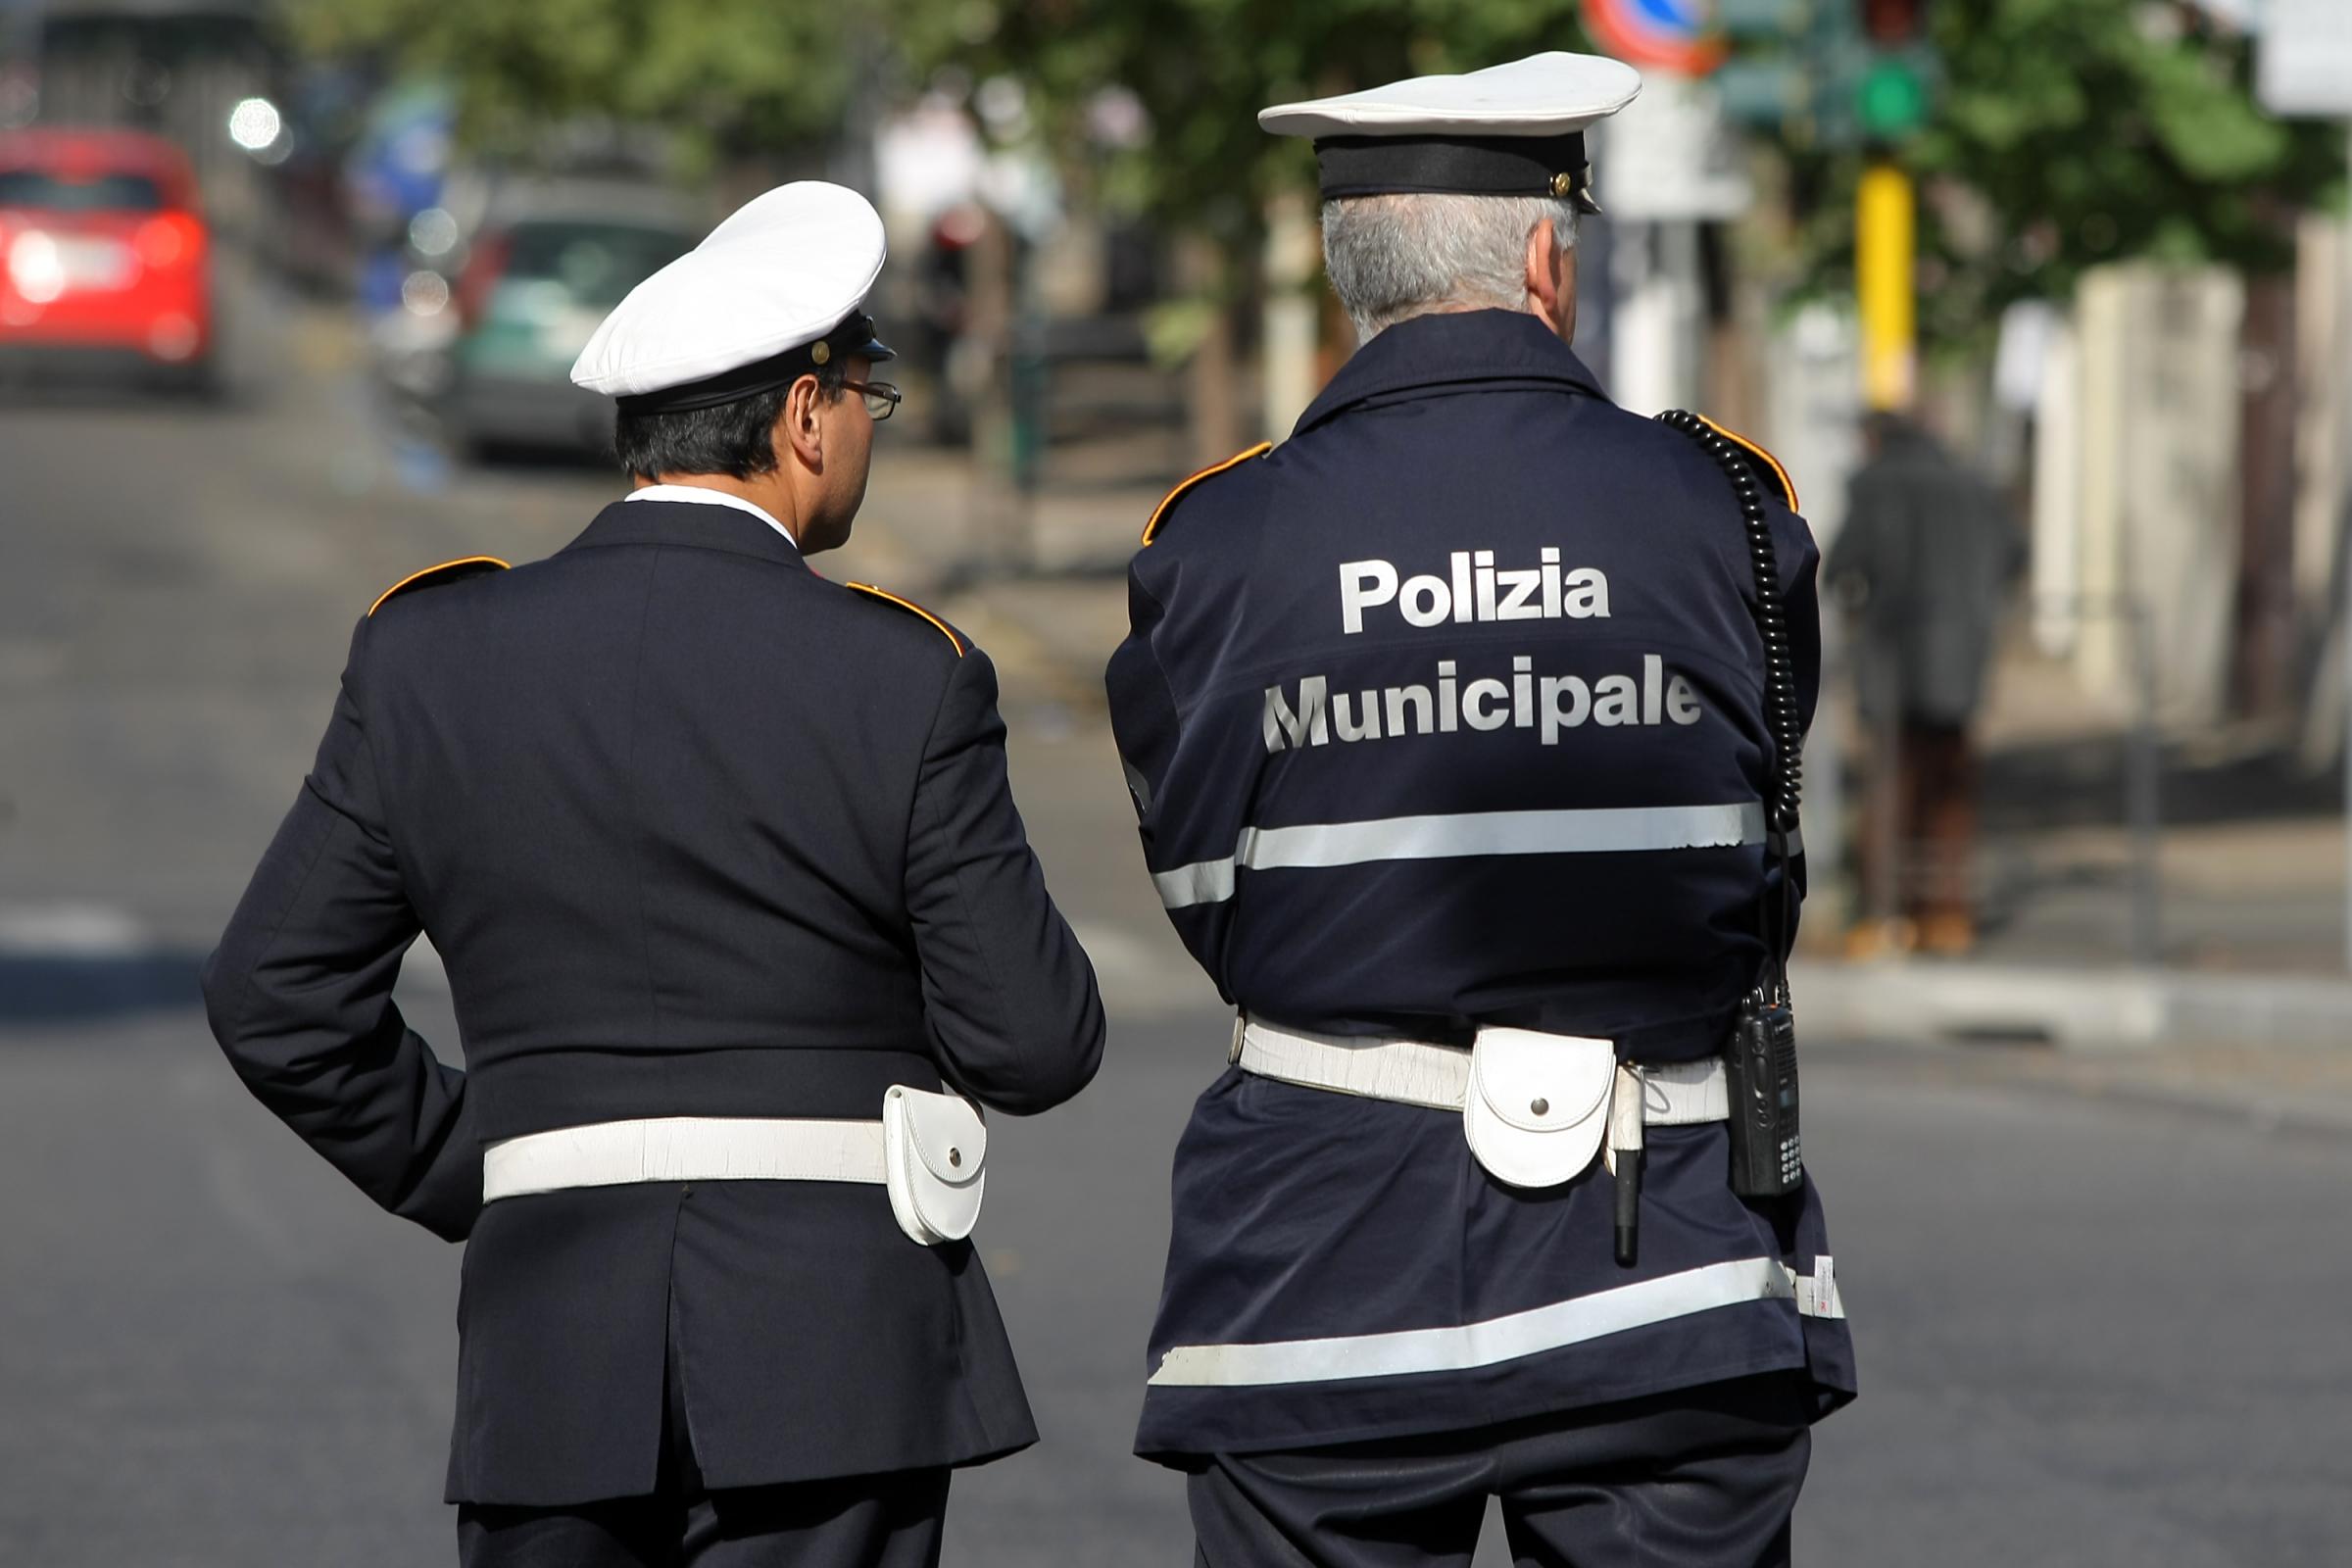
(703, 495)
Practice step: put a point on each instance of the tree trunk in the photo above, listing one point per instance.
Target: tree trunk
(1212, 391)
(2262, 659)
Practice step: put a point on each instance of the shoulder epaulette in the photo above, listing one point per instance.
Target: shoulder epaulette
(1189, 481)
(955, 641)
(447, 571)
(1767, 467)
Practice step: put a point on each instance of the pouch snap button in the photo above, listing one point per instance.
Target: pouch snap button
(956, 1158)
(1541, 1107)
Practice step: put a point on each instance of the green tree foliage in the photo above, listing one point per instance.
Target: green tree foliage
(1203, 69)
(727, 75)
(2065, 133)
(2068, 133)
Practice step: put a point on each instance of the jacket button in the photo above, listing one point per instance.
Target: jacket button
(686, 1191)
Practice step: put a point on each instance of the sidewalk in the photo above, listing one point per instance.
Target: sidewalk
(2078, 1004)
(2276, 1090)
(2248, 907)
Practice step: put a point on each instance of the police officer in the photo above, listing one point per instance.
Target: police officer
(736, 911)
(1446, 724)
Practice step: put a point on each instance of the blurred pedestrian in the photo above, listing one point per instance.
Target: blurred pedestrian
(723, 862)
(1925, 560)
(1452, 723)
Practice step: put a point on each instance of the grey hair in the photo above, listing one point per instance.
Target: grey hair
(1391, 258)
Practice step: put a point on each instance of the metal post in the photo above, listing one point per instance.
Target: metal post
(1886, 270)
(2140, 803)
(2344, 570)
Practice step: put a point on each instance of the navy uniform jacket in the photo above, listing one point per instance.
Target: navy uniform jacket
(1446, 712)
(696, 832)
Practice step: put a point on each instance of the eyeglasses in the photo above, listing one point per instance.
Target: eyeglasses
(881, 398)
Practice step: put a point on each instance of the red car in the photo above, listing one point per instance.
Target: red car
(103, 248)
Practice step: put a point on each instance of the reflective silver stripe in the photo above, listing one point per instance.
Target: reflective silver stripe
(1500, 1339)
(1436, 837)
(1205, 882)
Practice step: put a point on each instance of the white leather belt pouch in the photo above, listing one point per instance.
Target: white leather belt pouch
(935, 1154)
(1538, 1104)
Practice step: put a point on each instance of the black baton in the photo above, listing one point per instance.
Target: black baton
(1628, 1207)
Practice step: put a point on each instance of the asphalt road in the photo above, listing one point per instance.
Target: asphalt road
(2094, 1328)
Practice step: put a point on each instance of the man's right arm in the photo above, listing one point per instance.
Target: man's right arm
(1008, 993)
(300, 996)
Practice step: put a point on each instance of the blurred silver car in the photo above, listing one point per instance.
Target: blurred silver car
(542, 270)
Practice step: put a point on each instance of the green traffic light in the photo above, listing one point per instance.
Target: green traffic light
(1892, 98)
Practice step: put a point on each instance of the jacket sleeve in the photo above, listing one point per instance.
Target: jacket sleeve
(299, 993)
(1191, 759)
(1008, 994)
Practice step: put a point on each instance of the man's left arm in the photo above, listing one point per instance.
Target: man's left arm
(299, 994)
(1009, 994)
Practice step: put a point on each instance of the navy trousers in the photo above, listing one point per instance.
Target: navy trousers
(888, 1521)
(891, 1520)
(1702, 1478)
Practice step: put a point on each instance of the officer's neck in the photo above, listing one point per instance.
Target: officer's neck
(771, 492)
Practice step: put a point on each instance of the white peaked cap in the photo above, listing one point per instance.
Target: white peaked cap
(1507, 130)
(768, 294)
(1554, 94)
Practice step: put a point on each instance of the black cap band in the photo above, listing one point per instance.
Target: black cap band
(1456, 166)
(853, 334)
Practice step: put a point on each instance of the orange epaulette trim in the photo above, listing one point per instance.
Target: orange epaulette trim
(887, 597)
(1770, 465)
(462, 566)
(1189, 481)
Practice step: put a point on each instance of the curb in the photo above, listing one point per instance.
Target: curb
(2075, 1008)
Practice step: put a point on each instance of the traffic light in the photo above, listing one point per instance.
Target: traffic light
(1834, 72)
(1890, 101)
(1848, 75)
(1895, 88)
(1891, 21)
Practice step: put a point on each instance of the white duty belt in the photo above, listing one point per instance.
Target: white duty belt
(930, 1151)
(684, 1149)
(1535, 1106)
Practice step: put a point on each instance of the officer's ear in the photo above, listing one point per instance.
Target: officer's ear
(798, 431)
(1551, 278)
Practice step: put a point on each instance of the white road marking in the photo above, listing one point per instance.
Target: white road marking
(71, 930)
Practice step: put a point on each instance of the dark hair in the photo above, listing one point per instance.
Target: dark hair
(735, 439)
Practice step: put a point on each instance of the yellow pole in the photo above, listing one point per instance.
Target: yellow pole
(1885, 246)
